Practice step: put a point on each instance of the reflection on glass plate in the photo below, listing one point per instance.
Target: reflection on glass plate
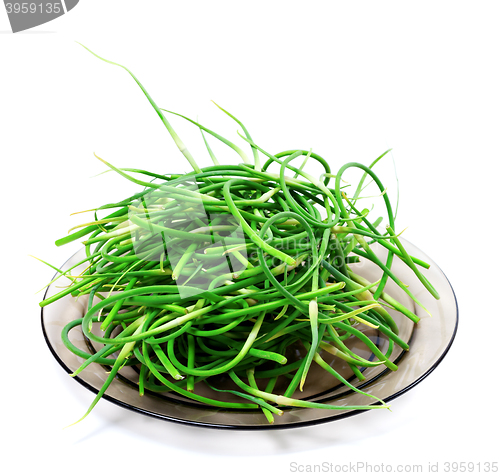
(429, 341)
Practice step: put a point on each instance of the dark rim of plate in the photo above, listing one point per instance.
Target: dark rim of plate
(265, 426)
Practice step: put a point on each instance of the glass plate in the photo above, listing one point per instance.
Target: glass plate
(429, 341)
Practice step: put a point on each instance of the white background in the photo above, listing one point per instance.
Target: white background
(348, 79)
